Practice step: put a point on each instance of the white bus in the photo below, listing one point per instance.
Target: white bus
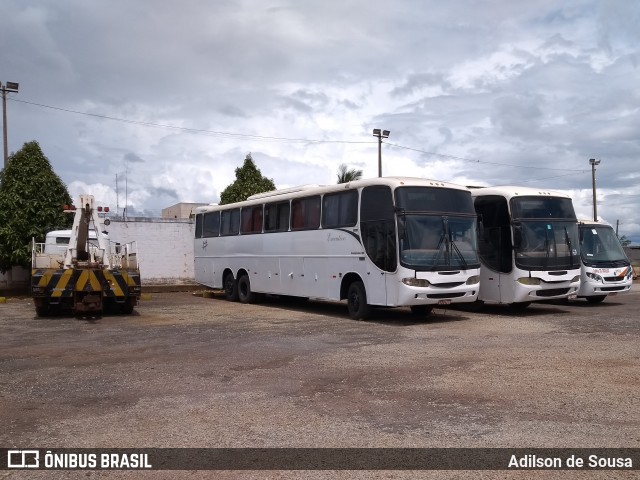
(606, 270)
(384, 241)
(528, 245)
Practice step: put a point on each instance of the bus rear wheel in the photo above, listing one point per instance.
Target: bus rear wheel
(357, 301)
(230, 288)
(245, 295)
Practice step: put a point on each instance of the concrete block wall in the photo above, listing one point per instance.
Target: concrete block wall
(165, 247)
(15, 279)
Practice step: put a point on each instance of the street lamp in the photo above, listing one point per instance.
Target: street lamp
(11, 87)
(593, 162)
(380, 134)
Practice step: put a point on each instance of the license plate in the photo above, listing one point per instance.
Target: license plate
(444, 302)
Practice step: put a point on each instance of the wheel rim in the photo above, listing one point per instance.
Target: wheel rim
(228, 285)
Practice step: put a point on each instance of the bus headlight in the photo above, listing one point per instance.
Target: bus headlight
(594, 276)
(575, 279)
(529, 281)
(416, 282)
(473, 280)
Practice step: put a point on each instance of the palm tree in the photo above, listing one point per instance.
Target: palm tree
(346, 176)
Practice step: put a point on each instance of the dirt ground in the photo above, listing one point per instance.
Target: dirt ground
(189, 371)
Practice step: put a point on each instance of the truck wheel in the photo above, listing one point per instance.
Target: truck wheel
(230, 288)
(127, 307)
(245, 295)
(42, 310)
(357, 301)
(596, 298)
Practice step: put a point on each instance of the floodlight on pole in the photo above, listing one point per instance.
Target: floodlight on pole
(593, 162)
(380, 134)
(9, 87)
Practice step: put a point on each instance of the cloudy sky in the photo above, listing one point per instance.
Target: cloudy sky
(171, 96)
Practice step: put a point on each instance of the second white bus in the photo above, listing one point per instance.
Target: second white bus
(606, 270)
(385, 241)
(528, 245)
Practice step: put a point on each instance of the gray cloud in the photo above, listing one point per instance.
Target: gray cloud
(536, 84)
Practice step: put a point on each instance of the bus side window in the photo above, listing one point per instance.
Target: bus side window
(210, 225)
(252, 219)
(230, 222)
(276, 217)
(198, 228)
(340, 209)
(305, 213)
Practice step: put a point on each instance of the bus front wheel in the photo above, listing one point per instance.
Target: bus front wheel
(596, 298)
(230, 288)
(421, 310)
(357, 301)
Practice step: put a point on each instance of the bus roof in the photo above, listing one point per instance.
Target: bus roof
(509, 191)
(306, 190)
(591, 223)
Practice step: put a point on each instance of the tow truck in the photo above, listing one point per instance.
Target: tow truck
(91, 274)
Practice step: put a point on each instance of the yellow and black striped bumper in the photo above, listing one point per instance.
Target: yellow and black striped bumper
(58, 284)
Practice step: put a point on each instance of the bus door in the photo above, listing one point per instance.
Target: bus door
(495, 248)
(378, 234)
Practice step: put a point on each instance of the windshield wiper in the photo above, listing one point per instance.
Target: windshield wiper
(463, 262)
(443, 242)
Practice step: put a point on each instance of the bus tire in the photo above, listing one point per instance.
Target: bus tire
(230, 288)
(596, 298)
(421, 310)
(245, 295)
(357, 301)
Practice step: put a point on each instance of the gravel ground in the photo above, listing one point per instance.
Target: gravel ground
(189, 371)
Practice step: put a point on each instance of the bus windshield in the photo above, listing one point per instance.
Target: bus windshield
(437, 242)
(437, 228)
(599, 246)
(544, 244)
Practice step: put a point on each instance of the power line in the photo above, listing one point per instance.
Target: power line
(555, 176)
(453, 157)
(199, 131)
(187, 129)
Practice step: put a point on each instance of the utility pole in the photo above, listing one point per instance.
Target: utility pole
(9, 87)
(380, 134)
(593, 162)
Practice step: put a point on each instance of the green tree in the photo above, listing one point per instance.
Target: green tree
(31, 200)
(624, 241)
(346, 176)
(249, 181)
